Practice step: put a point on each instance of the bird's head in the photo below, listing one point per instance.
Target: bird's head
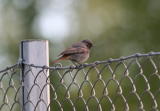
(88, 43)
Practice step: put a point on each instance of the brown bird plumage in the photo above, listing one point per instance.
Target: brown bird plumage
(78, 52)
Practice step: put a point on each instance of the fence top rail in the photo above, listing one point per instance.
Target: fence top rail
(60, 67)
(9, 68)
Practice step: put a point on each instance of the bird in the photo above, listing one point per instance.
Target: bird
(78, 52)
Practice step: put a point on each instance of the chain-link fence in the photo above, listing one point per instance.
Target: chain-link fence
(10, 89)
(125, 84)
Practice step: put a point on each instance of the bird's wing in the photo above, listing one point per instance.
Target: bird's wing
(70, 51)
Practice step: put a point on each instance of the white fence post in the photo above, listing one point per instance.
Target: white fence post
(34, 79)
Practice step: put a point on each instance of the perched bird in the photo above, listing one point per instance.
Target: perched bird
(79, 52)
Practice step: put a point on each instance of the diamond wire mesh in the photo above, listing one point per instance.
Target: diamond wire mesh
(10, 89)
(124, 84)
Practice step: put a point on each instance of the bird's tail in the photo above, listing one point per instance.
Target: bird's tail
(58, 60)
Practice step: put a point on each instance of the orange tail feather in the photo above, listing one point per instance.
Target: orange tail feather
(58, 60)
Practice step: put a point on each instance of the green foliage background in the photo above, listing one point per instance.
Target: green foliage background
(117, 27)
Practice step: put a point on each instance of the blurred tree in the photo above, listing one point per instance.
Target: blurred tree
(16, 25)
(120, 28)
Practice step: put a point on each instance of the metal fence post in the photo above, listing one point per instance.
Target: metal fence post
(34, 98)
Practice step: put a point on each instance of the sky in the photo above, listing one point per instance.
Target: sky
(54, 21)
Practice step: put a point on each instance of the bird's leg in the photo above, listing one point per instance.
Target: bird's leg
(74, 63)
(77, 64)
